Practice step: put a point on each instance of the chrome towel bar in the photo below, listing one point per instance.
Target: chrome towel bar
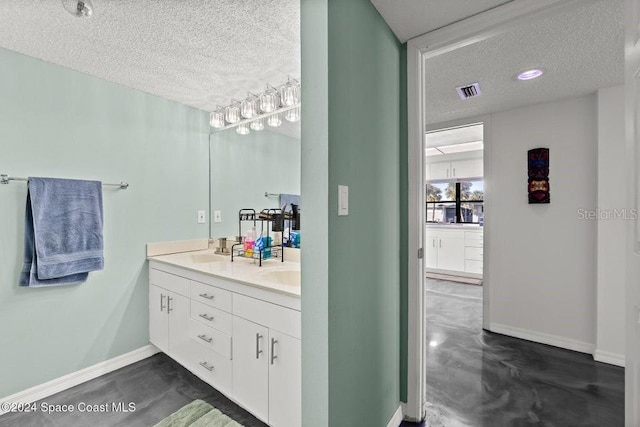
(6, 179)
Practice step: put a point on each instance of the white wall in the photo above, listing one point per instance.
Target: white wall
(543, 258)
(610, 337)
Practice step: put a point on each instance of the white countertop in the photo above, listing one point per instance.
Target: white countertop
(454, 226)
(242, 270)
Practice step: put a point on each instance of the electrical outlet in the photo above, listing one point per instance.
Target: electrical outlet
(217, 216)
(202, 217)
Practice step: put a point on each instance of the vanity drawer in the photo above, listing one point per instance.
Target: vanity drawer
(472, 266)
(270, 315)
(474, 238)
(211, 338)
(209, 316)
(471, 253)
(212, 367)
(170, 282)
(210, 295)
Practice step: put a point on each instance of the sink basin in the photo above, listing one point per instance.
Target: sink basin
(205, 258)
(284, 277)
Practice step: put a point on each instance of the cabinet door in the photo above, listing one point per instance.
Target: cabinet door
(431, 253)
(158, 320)
(285, 380)
(251, 366)
(467, 168)
(451, 254)
(178, 308)
(440, 170)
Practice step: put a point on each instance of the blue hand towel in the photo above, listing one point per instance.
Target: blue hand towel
(63, 232)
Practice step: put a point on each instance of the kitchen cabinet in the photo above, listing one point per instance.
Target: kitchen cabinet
(457, 169)
(454, 251)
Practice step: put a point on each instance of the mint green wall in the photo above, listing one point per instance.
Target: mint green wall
(61, 123)
(244, 167)
(364, 132)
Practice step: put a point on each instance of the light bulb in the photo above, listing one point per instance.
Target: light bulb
(243, 129)
(293, 115)
(257, 125)
(217, 119)
(274, 121)
(232, 113)
(269, 100)
(249, 107)
(290, 93)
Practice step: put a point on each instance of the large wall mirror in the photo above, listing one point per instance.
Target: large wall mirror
(245, 167)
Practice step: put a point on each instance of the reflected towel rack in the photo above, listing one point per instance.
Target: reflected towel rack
(266, 194)
(6, 179)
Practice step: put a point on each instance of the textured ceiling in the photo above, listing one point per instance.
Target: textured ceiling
(581, 50)
(199, 53)
(411, 18)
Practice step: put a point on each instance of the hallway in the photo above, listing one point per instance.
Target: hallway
(477, 378)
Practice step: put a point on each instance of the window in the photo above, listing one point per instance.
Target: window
(455, 202)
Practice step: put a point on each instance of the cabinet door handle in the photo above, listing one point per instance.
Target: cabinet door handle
(440, 242)
(447, 172)
(433, 241)
(258, 351)
(205, 317)
(207, 296)
(454, 172)
(169, 309)
(205, 338)
(273, 349)
(161, 302)
(206, 366)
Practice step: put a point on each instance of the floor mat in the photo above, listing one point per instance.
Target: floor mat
(198, 414)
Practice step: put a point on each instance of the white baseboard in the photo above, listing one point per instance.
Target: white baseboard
(554, 340)
(608, 357)
(73, 379)
(396, 419)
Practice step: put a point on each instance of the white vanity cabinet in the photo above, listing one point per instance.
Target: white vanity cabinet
(243, 341)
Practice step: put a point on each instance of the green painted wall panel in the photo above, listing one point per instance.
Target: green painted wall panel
(364, 261)
(61, 123)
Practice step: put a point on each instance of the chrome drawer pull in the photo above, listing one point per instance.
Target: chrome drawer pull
(273, 349)
(161, 302)
(204, 338)
(206, 366)
(169, 309)
(205, 317)
(258, 351)
(207, 296)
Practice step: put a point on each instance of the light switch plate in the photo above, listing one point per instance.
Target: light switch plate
(217, 216)
(202, 217)
(343, 200)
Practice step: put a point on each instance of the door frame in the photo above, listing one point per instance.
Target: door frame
(455, 36)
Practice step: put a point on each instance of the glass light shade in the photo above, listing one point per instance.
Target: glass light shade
(257, 125)
(232, 113)
(274, 121)
(217, 119)
(249, 107)
(243, 129)
(269, 100)
(290, 93)
(293, 115)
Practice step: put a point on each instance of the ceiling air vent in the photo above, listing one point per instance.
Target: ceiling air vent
(469, 91)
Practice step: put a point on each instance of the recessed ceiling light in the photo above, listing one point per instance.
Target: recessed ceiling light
(530, 74)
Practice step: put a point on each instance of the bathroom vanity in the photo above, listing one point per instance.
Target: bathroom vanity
(235, 325)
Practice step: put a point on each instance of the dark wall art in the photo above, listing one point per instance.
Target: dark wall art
(538, 160)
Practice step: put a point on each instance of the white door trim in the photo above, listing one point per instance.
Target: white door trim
(464, 33)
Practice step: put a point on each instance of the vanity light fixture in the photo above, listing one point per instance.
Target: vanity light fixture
(243, 129)
(530, 74)
(217, 118)
(250, 114)
(274, 121)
